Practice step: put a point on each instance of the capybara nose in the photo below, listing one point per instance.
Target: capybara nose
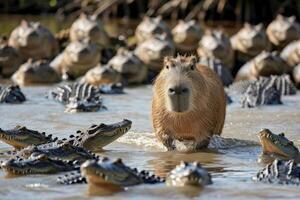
(177, 90)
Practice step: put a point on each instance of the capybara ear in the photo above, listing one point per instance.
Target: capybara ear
(193, 60)
(83, 15)
(24, 23)
(167, 59)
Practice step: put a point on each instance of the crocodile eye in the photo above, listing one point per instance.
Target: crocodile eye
(281, 134)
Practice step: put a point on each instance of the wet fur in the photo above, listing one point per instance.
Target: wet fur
(207, 112)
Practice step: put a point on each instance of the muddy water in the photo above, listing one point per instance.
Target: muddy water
(231, 168)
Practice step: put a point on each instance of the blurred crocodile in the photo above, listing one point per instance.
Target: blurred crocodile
(282, 83)
(78, 97)
(257, 94)
(278, 145)
(11, 94)
(281, 172)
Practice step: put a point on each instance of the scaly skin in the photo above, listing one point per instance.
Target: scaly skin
(186, 174)
(93, 139)
(278, 144)
(40, 164)
(11, 94)
(21, 137)
(58, 151)
(78, 97)
(114, 173)
(281, 172)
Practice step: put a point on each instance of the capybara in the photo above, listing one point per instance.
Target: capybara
(188, 103)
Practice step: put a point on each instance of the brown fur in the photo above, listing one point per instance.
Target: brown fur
(208, 104)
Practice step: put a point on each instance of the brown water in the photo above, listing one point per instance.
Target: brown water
(231, 168)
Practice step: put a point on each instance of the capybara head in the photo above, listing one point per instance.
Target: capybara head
(179, 79)
(28, 34)
(186, 35)
(150, 27)
(88, 27)
(267, 63)
(251, 39)
(81, 52)
(283, 30)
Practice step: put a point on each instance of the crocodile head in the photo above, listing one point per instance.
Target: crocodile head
(107, 172)
(277, 144)
(21, 137)
(97, 136)
(40, 164)
(186, 174)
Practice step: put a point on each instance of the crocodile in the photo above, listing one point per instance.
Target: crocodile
(21, 137)
(78, 97)
(280, 172)
(277, 145)
(257, 94)
(106, 172)
(93, 139)
(185, 174)
(36, 164)
(282, 83)
(60, 150)
(11, 94)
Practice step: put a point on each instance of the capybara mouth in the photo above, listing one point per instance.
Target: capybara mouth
(179, 103)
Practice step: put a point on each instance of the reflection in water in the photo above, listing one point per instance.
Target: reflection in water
(103, 190)
(166, 161)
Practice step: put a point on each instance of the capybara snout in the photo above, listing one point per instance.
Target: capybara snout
(178, 98)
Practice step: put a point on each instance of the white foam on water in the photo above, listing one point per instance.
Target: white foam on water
(149, 142)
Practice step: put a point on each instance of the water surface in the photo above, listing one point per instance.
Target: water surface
(231, 169)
